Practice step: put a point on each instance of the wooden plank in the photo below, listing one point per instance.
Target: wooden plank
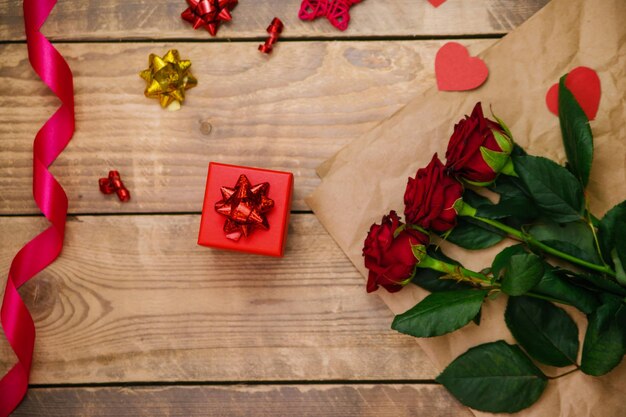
(289, 112)
(243, 401)
(133, 298)
(160, 19)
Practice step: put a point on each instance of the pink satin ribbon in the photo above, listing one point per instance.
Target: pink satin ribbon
(49, 195)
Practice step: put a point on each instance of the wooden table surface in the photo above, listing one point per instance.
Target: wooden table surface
(135, 319)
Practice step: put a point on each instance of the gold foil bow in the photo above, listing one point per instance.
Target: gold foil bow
(168, 78)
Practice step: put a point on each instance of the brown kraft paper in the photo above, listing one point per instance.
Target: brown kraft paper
(367, 178)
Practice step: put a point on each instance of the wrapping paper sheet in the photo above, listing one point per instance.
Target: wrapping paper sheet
(367, 178)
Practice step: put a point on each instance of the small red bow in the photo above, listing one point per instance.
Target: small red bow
(113, 184)
(274, 29)
(208, 13)
(336, 11)
(244, 207)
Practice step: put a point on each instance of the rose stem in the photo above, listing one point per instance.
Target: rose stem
(468, 211)
(464, 274)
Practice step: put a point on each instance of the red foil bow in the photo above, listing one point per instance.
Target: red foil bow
(113, 184)
(274, 29)
(336, 11)
(208, 13)
(244, 206)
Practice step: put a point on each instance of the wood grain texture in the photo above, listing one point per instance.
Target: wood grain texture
(289, 112)
(134, 298)
(244, 401)
(160, 19)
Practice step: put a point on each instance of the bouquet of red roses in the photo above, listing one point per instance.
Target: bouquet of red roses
(489, 189)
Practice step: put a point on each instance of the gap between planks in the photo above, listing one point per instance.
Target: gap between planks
(236, 383)
(285, 39)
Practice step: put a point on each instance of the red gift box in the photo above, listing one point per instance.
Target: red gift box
(260, 241)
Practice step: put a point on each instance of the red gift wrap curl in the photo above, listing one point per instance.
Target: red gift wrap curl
(113, 184)
(274, 29)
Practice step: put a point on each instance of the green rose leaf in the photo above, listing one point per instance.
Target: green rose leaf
(516, 206)
(502, 259)
(552, 285)
(573, 238)
(515, 201)
(605, 340)
(474, 199)
(576, 132)
(494, 377)
(611, 230)
(521, 273)
(474, 234)
(440, 313)
(594, 282)
(557, 193)
(613, 221)
(544, 330)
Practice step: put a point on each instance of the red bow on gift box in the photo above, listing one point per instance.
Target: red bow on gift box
(208, 13)
(244, 206)
(336, 11)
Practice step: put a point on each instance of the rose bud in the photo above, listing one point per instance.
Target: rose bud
(390, 253)
(479, 149)
(430, 196)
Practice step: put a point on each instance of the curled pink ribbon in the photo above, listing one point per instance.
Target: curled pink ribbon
(336, 11)
(37, 254)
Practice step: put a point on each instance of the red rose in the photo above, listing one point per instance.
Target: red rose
(430, 196)
(478, 149)
(390, 259)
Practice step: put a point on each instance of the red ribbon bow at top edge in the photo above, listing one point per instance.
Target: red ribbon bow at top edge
(336, 11)
(208, 13)
(244, 206)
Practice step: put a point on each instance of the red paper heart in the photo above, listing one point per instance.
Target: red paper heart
(584, 84)
(436, 3)
(456, 70)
